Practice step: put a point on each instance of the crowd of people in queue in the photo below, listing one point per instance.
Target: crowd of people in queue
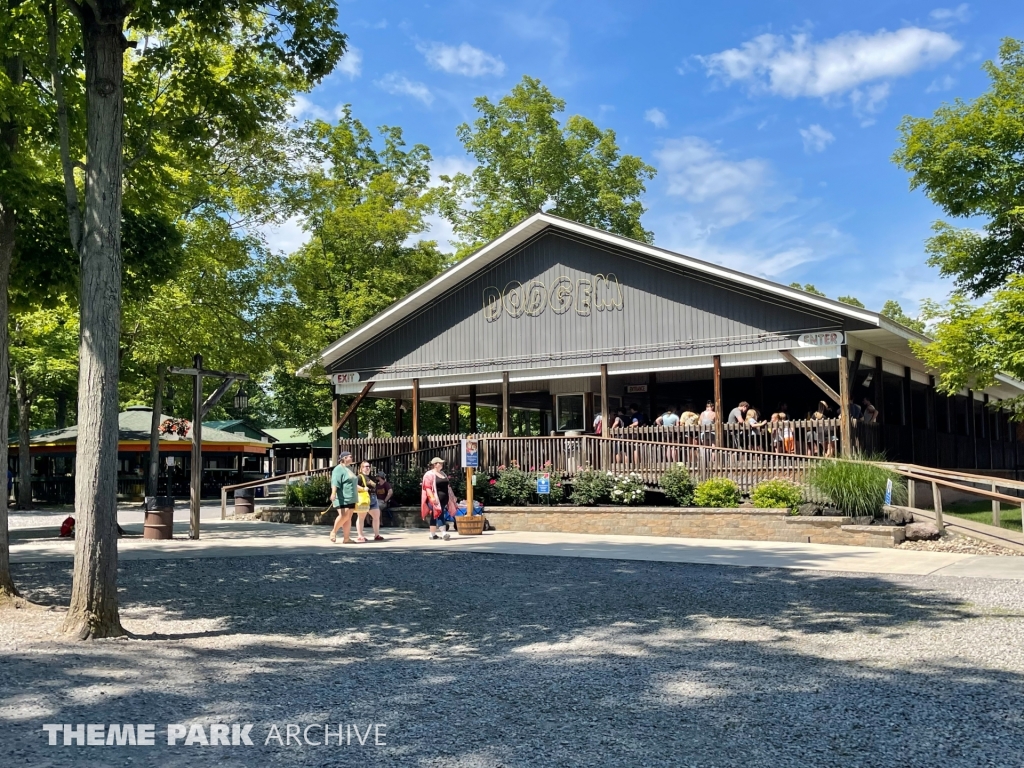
(748, 427)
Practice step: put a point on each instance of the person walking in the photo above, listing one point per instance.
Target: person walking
(436, 498)
(344, 495)
(367, 483)
(384, 495)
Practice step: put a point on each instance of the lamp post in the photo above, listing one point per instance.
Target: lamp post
(199, 409)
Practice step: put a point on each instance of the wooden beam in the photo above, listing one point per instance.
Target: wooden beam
(355, 404)
(845, 426)
(453, 415)
(415, 414)
(472, 409)
(605, 414)
(334, 429)
(719, 428)
(879, 386)
(505, 432)
(855, 369)
(833, 395)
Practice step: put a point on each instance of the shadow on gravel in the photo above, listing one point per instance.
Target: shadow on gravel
(501, 660)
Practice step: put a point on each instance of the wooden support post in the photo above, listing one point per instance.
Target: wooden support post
(398, 417)
(652, 384)
(717, 373)
(154, 432)
(505, 413)
(334, 429)
(415, 414)
(472, 410)
(858, 355)
(995, 507)
(908, 411)
(469, 491)
(879, 387)
(453, 415)
(911, 493)
(196, 484)
(972, 428)
(759, 390)
(937, 504)
(845, 425)
(351, 410)
(605, 419)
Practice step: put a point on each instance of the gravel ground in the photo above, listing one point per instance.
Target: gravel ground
(495, 660)
(955, 542)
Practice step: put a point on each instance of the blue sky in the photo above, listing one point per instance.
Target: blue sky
(771, 124)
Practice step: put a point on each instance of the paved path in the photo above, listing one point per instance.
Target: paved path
(249, 539)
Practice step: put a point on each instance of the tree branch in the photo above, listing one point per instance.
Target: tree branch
(75, 8)
(72, 203)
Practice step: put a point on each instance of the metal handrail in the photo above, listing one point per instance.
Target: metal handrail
(266, 481)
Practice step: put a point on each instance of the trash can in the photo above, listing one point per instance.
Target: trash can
(159, 520)
(245, 501)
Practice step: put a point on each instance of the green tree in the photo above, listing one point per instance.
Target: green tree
(527, 160)
(894, 311)
(362, 206)
(853, 301)
(967, 159)
(298, 36)
(43, 353)
(807, 288)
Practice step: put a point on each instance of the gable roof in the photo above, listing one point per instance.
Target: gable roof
(133, 425)
(540, 223)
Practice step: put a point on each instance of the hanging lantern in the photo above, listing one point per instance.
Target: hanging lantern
(241, 399)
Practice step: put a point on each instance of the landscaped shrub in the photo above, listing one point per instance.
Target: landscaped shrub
(717, 492)
(513, 486)
(628, 489)
(406, 484)
(776, 494)
(678, 485)
(590, 486)
(856, 487)
(314, 492)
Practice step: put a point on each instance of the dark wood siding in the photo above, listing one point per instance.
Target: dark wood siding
(666, 312)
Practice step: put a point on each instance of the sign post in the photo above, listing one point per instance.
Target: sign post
(544, 484)
(470, 460)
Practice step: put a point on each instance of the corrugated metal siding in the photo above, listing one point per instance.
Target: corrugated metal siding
(661, 308)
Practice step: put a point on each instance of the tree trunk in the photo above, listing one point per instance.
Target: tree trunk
(8, 227)
(93, 612)
(62, 410)
(154, 432)
(24, 442)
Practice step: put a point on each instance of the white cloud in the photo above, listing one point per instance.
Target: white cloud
(399, 85)
(286, 237)
(449, 165)
(840, 65)
(303, 108)
(656, 117)
(462, 60)
(351, 63)
(869, 101)
(961, 14)
(816, 138)
(727, 190)
(941, 84)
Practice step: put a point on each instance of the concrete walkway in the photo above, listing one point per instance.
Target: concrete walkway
(246, 539)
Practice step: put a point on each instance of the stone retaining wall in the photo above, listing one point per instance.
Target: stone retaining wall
(691, 522)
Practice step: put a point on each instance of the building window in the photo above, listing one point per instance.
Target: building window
(570, 413)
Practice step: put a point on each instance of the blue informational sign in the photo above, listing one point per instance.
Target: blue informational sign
(471, 454)
(888, 492)
(544, 484)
